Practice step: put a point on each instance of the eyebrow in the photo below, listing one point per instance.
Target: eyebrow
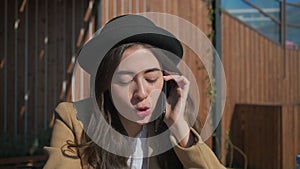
(126, 72)
(152, 70)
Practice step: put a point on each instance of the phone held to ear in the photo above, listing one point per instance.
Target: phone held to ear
(164, 102)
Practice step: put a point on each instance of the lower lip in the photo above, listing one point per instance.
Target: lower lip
(143, 113)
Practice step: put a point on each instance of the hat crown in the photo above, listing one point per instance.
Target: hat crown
(127, 21)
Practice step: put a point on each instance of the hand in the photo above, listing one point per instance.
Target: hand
(175, 108)
(176, 101)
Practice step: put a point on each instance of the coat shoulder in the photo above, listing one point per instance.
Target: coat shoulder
(66, 112)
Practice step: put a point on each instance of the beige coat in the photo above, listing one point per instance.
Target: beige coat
(67, 127)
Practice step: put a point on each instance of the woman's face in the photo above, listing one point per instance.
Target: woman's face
(137, 84)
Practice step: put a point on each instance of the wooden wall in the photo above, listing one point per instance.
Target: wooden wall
(261, 72)
(290, 135)
(256, 130)
(256, 63)
(43, 43)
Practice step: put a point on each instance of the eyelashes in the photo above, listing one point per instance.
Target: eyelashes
(152, 80)
(150, 77)
(124, 82)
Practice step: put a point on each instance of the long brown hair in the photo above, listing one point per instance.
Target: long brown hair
(94, 155)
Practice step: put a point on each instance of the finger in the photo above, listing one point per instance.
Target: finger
(170, 77)
(182, 85)
(181, 81)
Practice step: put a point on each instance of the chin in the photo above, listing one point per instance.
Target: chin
(141, 123)
(144, 121)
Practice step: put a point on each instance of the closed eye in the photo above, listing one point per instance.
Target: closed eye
(153, 75)
(123, 79)
(152, 80)
(123, 83)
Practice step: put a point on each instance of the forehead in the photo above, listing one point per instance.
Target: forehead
(137, 59)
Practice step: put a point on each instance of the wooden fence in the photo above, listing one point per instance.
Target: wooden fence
(259, 72)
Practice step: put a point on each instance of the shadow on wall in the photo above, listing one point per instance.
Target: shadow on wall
(255, 137)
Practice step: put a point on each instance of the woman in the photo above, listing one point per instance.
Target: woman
(140, 94)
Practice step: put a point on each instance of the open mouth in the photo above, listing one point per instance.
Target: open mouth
(143, 111)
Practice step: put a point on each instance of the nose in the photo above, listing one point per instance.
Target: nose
(140, 90)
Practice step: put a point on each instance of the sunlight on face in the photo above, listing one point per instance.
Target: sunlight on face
(137, 84)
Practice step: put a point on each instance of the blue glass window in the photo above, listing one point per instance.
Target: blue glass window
(250, 12)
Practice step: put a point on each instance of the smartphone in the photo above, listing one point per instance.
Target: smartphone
(164, 102)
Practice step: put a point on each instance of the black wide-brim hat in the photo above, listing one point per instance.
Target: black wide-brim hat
(126, 29)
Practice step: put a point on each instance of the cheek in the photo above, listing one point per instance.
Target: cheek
(120, 94)
(156, 89)
(159, 84)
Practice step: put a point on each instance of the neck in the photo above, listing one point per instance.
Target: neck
(131, 127)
